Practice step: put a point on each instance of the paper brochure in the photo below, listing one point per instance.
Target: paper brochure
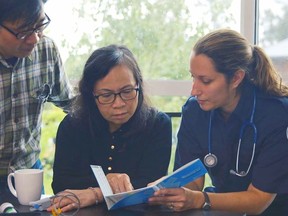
(180, 177)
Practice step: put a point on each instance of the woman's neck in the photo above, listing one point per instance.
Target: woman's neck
(113, 127)
(228, 109)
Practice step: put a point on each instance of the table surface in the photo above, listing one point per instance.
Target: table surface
(138, 210)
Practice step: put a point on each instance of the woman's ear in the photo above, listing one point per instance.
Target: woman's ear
(238, 78)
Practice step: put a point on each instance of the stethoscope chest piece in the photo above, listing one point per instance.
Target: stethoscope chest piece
(210, 160)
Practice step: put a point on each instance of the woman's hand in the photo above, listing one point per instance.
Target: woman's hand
(119, 182)
(178, 199)
(156, 182)
(86, 197)
(252, 202)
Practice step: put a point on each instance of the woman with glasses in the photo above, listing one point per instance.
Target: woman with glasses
(236, 122)
(111, 125)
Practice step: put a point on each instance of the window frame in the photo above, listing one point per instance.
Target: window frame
(248, 27)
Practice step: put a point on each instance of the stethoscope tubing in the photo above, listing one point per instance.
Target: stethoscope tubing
(243, 127)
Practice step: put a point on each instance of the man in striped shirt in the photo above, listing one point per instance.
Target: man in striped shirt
(31, 73)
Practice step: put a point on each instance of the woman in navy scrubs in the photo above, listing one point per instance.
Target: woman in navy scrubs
(236, 123)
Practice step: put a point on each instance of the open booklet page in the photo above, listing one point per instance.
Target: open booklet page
(180, 177)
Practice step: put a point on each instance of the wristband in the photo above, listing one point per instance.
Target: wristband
(207, 204)
(95, 194)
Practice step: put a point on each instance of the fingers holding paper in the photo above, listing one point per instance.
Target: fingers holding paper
(177, 199)
(119, 182)
(156, 182)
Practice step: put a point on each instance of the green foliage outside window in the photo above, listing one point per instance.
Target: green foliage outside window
(51, 119)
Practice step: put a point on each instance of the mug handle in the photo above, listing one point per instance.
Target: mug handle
(10, 185)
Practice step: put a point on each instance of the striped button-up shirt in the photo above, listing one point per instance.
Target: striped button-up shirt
(24, 88)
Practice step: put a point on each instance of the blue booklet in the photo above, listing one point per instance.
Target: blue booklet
(180, 177)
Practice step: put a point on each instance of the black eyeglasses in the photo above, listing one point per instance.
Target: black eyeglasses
(125, 95)
(22, 35)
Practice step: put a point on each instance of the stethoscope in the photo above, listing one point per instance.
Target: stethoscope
(210, 160)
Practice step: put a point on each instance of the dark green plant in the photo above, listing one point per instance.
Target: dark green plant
(51, 119)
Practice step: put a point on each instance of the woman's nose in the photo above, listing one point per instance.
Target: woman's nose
(118, 101)
(195, 91)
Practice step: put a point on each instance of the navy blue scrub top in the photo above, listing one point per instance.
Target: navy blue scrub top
(269, 171)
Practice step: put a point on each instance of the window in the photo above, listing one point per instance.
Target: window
(159, 33)
(273, 33)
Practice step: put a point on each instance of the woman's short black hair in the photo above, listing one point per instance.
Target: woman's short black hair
(98, 65)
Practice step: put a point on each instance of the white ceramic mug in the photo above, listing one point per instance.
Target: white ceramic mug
(28, 185)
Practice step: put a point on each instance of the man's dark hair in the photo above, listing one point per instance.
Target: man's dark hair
(26, 11)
